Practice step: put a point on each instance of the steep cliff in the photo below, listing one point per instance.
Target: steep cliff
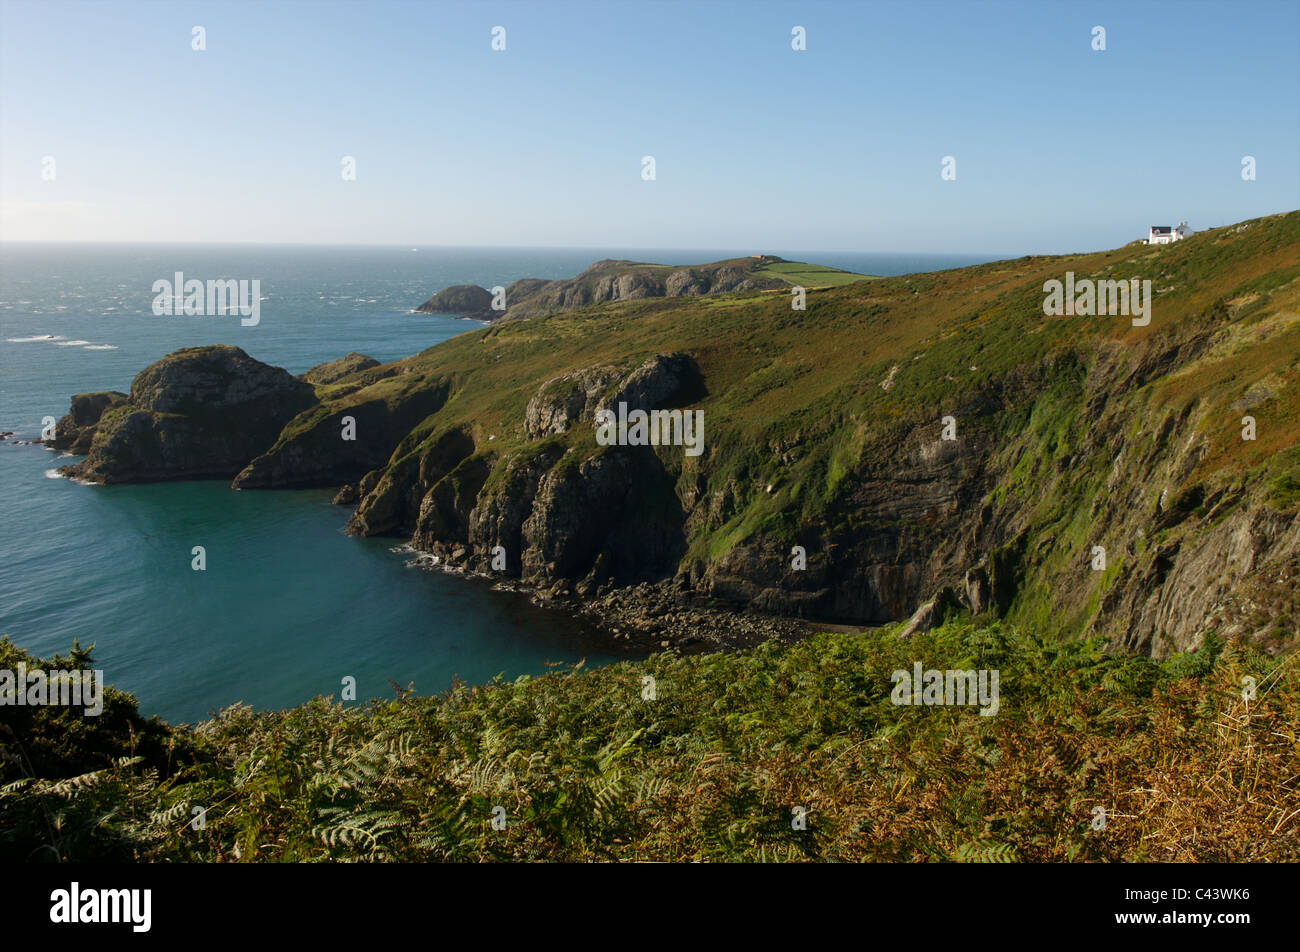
(928, 440)
(1096, 479)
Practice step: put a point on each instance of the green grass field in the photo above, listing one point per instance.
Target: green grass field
(812, 275)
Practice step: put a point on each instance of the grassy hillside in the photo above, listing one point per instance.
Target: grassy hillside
(823, 425)
(584, 767)
(778, 374)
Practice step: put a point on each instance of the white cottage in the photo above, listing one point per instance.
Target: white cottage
(1164, 234)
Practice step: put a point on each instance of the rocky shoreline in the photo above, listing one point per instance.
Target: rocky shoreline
(648, 617)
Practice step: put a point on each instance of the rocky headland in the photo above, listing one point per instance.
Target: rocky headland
(621, 280)
(905, 448)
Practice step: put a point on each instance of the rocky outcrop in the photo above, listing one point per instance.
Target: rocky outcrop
(498, 516)
(201, 412)
(448, 505)
(392, 498)
(664, 381)
(931, 614)
(978, 591)
(548, 519)
(468, 300)
(578, 525)
(335, 370)
(75, 430)
(566, 399)
(1215, 579)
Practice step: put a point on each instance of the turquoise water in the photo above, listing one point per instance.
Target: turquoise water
(288, 605)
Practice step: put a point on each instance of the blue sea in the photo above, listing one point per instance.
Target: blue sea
(288, 605)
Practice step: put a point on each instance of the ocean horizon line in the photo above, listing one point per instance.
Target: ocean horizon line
(418, 246)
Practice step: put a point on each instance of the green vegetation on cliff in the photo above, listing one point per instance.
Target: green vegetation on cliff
(1077, 441)
(822, 429)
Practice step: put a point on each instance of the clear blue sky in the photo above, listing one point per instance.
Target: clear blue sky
(839, 147)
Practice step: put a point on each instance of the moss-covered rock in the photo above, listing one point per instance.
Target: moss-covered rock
(201, 412)
(75, 430)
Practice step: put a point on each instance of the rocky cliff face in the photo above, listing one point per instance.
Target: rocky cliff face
(929, 442)
(568, 398)
(991, 523)
(556, 517)
(75, 431)
(198, 413)
(664, 381)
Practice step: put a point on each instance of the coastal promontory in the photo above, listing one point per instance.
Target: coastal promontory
(200, 412)
(927, 441)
